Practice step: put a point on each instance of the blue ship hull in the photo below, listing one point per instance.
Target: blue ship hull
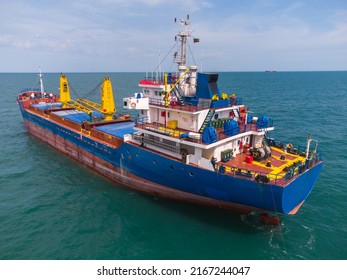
(153, 173)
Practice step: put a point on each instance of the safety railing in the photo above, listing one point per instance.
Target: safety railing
(145, 140)
(161, 128)
(280, 178)
(176, 105)
(261, 177)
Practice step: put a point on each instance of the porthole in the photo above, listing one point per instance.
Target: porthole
(171, 167)
(191, 174)
(154, 161)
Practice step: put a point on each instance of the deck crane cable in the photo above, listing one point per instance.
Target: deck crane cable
(93, 91)
(191, 53)
(171, 66)
(73, 90)
(36, 82)
(165, 56)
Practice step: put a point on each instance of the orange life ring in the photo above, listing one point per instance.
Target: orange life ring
(133, 105)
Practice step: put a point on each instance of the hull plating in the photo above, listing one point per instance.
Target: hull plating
(158, 175)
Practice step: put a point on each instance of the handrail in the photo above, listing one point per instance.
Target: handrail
(178, 80)
(276, 178)
(159, 144)
(188, 107)
(252, 174)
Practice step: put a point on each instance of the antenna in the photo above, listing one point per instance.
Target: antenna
(182, 36)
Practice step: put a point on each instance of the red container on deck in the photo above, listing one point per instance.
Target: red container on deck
(249, 159)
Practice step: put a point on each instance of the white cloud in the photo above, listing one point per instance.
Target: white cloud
(233, 36)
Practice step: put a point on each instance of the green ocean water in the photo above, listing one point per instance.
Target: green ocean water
(51, 207)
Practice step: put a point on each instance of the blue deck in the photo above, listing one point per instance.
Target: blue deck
(73, 115)
(115, 129)
(77, 116)
(44, 106)
(118, 129)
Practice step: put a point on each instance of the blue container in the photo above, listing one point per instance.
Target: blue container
(231, 127)
(263, 122)
(209, 135)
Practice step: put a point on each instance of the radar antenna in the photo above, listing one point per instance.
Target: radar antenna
(185, 32)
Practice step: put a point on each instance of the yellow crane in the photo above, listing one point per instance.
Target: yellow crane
(107, 106)
(66, 100)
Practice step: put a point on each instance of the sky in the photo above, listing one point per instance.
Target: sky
(134, 35)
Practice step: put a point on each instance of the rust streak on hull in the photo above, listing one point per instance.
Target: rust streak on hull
(125, 178)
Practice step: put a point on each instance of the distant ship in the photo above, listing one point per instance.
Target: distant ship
(188, 142)
(271, 71)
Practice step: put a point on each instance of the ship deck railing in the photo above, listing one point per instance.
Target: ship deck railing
(159, 128)
(253, 174)
(176, 132)
(177, 106)
(30, 89)
(25, 90)
(202, 105)
(145, 140)
(241, 129)
(278, 174)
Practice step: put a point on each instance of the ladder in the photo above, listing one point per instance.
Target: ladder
(178, 95)
(236, 113)
(207, 120)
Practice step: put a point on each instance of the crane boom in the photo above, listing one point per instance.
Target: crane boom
(90, 104)
(107, 106)
(66, 100)
(107, 100)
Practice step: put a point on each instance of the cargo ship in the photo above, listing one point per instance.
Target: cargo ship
(184, 140)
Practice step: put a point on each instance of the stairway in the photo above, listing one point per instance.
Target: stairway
(236, 113)
(207, 120)
(178, 95)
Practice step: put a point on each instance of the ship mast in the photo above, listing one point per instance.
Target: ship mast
(42, 89)
(183, 34)
(187, 87)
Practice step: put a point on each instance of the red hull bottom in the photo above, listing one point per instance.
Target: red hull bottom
(125, 178)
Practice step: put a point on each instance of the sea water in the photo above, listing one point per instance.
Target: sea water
(52, 207)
